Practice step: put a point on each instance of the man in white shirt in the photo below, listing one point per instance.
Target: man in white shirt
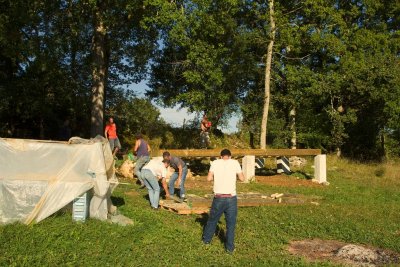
(153, 171)
(224, 172)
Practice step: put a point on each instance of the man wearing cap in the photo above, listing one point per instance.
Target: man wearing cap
(180, 173)
(152, 172)
(224, 172)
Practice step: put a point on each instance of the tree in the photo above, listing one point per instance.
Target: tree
(267, 90)
(55, 52)
(197, 64)
(119, 44)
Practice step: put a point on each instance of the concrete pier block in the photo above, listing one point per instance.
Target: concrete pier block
(248, 167)
(320, 169)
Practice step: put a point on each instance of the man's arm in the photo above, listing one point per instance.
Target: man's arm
(241, 176)
(210, 176)
(148, 148)
(165, 186)
(137, 144)
(105, 132)
(179, 173)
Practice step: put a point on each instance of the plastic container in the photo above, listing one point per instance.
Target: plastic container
(80, 207)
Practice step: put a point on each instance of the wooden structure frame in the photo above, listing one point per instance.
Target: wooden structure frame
(190, 153)
(248, 161)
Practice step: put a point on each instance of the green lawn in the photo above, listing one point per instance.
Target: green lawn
(361, 205)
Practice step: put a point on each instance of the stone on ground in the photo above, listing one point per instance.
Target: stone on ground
(358, 254)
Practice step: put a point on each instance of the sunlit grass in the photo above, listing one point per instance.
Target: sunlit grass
(358, 206)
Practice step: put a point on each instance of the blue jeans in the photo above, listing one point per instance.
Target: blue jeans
(173, 178)
(228, 206)
(141, 161)
(152, 185)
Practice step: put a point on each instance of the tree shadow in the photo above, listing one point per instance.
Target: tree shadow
(146, 197)
(302, 174)
(265, 172)
(117, 201)
(219, 232)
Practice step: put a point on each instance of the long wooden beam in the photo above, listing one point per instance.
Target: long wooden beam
(242, 152)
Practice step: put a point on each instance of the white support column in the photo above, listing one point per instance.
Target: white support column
(248, 167)
(320, 169)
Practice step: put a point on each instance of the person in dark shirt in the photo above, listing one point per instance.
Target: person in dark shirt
(142, 151)
(180, 173)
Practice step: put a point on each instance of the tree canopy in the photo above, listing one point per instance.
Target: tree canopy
(334, 80)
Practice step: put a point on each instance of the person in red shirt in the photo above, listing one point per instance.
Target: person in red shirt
(111, 133)
(205, 127)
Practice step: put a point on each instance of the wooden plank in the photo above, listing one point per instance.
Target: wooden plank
(199, 205)
(251, 202)
(188, 153)
(182, 208)
(247, 202)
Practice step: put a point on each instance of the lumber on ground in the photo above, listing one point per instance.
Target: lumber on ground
(247, 202)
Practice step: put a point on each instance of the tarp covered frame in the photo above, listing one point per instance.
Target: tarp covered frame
(38, 178)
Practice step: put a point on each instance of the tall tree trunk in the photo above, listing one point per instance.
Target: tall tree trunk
(252, 140)
(292, 127)
(99, 73)
(267, 88)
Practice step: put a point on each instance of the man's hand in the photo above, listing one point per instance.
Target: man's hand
(241, 176)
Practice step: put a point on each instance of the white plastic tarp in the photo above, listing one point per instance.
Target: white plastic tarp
(38, 178)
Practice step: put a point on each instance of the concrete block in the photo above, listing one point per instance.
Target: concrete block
(320, 168)
(248, 167)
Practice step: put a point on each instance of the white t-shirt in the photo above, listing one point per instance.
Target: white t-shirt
(156, 166)
(225, 171)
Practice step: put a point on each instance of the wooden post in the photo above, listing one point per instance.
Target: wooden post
(248, 167)
(320, 168)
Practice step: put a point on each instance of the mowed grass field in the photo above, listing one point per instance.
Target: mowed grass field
(361, 205)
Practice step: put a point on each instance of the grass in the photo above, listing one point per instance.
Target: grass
(361, 205)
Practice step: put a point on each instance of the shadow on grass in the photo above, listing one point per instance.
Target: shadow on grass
(117, 201)
(265, 172)
(301, 175)
(273, 172)
(219, 232)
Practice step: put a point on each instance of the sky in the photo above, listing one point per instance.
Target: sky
(175, 116)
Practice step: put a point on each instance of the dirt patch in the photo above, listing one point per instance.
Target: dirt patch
(132, 193)
(342, 253)
(198, 182)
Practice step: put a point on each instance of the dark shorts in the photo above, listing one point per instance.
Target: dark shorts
(114, 142)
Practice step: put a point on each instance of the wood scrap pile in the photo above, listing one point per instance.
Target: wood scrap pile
(197, 204)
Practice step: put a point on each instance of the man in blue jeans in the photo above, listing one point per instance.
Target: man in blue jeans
(224, 172)
(152, 172)
(180, 173)
(142, 151)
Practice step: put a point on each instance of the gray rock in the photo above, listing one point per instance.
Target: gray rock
(358, 254)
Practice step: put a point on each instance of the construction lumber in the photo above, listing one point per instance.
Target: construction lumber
(188, 153)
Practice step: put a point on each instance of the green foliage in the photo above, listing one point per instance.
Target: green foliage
(196, 67)
(335, 62)
(47, 65)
